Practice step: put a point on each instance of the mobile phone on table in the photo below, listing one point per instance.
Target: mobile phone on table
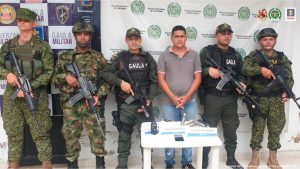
(178, 137)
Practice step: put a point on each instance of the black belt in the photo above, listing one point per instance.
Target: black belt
(222, 93)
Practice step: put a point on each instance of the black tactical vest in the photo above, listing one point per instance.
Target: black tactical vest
(226, 60)
(138, 68)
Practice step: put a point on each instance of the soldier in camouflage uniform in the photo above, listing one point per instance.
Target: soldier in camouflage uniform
(35, 59)
(90, 64)
(142, 68)
(271, 102)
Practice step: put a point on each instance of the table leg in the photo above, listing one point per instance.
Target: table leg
(147, 158)
(199, 158)
(215, 157)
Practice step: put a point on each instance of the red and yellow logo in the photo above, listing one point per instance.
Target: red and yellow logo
(7, 14)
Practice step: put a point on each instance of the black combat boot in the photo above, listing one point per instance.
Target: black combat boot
(73, 165)
(231, 161)
(100, 163)
(205, 158)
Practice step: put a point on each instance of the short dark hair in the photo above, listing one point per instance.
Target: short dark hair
(178, 28)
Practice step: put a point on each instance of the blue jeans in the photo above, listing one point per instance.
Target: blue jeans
(171, 113)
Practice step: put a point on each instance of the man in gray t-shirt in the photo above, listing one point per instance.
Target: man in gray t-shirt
(179, 76)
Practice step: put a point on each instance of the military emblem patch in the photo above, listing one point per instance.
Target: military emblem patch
(154, 32)
(210, 11)
(174, 9)
(191, 33)
(262, 14)
(62, 13)
(7, 14)
(244, 13)
(275, 14)
(137, 7)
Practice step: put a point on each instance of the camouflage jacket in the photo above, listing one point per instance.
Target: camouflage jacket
(90, 65)
(44, 74)
(112, 76)
(252, 69)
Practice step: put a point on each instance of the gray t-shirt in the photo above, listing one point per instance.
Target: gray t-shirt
(179, 71)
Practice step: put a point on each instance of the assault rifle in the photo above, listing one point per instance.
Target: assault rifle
(279, 79)
(228, 76)
(86, 90)
(25, 86)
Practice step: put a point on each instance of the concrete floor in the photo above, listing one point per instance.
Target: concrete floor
(287, 159)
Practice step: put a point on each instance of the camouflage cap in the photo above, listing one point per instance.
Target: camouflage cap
(27, 14)
(223, 28)
(82, 27)
(133, 32)
(267, 32)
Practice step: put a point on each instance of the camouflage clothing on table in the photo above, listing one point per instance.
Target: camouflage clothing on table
(37, 64)
(271, 104)
(90, 65)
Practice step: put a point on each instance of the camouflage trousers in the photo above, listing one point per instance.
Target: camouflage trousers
(15, 115)
(74, 118)
(275, 121)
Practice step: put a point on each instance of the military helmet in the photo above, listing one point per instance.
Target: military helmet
(267, 32)
(82, 27)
